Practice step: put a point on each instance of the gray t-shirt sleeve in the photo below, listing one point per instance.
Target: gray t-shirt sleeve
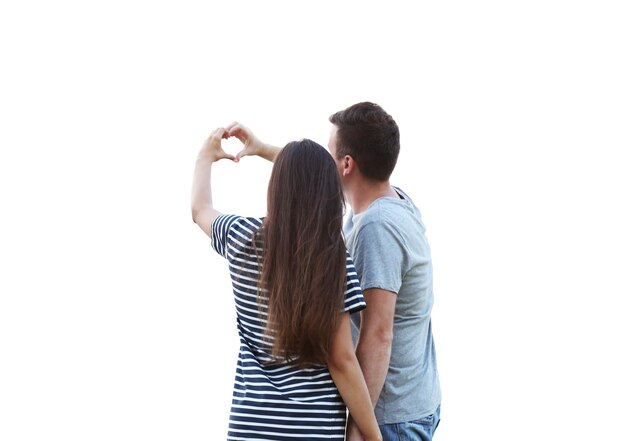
(378, 257)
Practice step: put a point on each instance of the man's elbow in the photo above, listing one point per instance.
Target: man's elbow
(381, 337)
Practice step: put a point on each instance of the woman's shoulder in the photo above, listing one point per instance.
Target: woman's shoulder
(238, 228)
(235, 221)
(249, 222)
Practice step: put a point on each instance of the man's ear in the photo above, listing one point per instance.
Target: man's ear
(348, 165)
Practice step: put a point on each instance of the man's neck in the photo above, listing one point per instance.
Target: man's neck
(362, 194)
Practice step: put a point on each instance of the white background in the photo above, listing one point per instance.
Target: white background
(116, 317)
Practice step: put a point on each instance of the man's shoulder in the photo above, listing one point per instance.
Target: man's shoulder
(402, 193)
(381, 219)
(390, 211)
(377, 216)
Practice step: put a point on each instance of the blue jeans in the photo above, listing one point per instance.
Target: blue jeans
(418, 430)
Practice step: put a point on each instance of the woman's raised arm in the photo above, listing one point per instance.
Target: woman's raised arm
(202, 211)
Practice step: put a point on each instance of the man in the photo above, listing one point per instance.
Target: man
(386, 238)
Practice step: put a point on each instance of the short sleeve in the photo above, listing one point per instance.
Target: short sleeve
(353, 297)
(379, 256)
(220, 229)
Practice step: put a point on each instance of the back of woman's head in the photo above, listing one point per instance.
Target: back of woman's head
(304, 253)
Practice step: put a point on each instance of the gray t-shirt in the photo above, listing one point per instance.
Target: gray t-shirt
(390, 251)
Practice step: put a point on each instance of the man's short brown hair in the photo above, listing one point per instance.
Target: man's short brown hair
(371, 136)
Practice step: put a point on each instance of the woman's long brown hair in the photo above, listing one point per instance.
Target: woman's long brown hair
(303, 274)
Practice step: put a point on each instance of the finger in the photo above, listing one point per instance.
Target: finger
(236, 131)
(219, 132)
(230, 126)
(241, 154)
(221, 154)
(242, 133)
(215, 136)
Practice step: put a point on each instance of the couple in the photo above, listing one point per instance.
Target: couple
(300, 298)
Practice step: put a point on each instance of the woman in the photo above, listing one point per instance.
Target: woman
(294, 288)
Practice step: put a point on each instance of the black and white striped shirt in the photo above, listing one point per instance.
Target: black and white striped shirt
(274, 400)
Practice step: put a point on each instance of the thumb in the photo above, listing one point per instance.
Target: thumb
(240, 155)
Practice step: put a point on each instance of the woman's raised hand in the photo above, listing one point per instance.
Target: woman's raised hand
(251, 144)
(212, 147)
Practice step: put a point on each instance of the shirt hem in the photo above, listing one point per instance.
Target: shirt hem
(379, 286)
(408, 417)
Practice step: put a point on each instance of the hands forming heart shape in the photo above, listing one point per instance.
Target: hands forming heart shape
(213, 144)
